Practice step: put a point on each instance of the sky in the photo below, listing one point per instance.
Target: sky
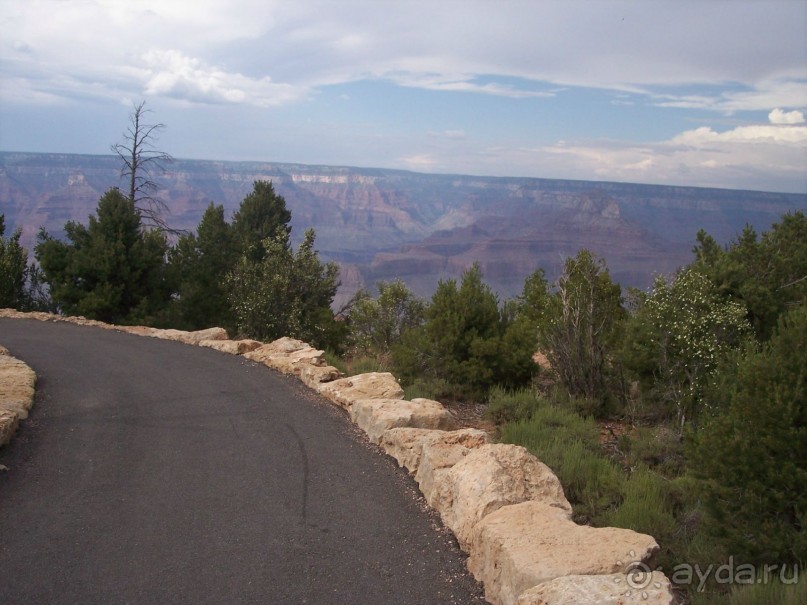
(708, 93)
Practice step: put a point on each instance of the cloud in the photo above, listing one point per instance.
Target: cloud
(170, 73)
(643, 47)
(766, 156)
(777, 116)
(762, 156)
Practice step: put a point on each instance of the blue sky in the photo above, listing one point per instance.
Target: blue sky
(686, 92)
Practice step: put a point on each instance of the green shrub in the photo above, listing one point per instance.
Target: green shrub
(647, 508)
(506, 405)
(365, 365)
(334, 359)
(659, 448)
(593, 484)
(569, 445)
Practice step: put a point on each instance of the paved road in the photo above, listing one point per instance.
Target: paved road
(155, 472)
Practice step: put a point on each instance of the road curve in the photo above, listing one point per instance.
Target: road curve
(155, 472)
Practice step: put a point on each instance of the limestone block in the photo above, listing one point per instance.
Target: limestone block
(194, 338)
(375, 416)
(648, 587)
(406, 444)
(488, 478)
(233, 347)
(17, 383)
(139, 330)
(523, 545)
(313, 376)
(9, 421)
(287, 355)
(373, 385)
(435, 460)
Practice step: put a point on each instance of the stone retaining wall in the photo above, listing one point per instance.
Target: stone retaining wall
(506, 508)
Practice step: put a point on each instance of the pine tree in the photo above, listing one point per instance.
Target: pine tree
(262, 215)
(199, 265)
(752, 455)
(112, 270)
(13, 270)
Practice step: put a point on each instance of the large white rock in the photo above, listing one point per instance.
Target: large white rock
(436, 459)
(281, 346)
(373, 385)
(488, 478)
(314, 376)
(17, 382)
(523, 545)
(376, 416)
(190, 338)
(194, 338)
(651, 588)
(288, 355)
(233, 347)
(9, 421)
(406, 444)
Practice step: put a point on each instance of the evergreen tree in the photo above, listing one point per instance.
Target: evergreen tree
(752, 455)
(461, 343)
(13, 270)
(768, 274)
(111, 270)
(199, 265)
(261, 215)
(524, 319)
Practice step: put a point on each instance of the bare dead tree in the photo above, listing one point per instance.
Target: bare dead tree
(140, 163)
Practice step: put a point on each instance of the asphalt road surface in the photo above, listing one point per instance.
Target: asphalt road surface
(155, 472)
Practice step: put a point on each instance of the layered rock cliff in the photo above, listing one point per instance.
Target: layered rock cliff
(383, 224)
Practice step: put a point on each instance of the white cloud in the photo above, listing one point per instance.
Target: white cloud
(764, 133)
(619, 45)
(756, 156)
(764, 156)
(172, 74)
(777, 116)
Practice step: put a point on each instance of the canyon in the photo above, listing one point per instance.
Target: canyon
(382, 224)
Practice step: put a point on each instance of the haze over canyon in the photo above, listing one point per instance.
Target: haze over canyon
(381, 224)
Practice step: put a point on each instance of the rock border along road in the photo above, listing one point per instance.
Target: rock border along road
(506, 508)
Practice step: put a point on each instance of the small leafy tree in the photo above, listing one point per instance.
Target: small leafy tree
(140, 161)
(586, 312)
(752, 454)
(285, 293)
(111, 270)
(377, 324)
(677, 337)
